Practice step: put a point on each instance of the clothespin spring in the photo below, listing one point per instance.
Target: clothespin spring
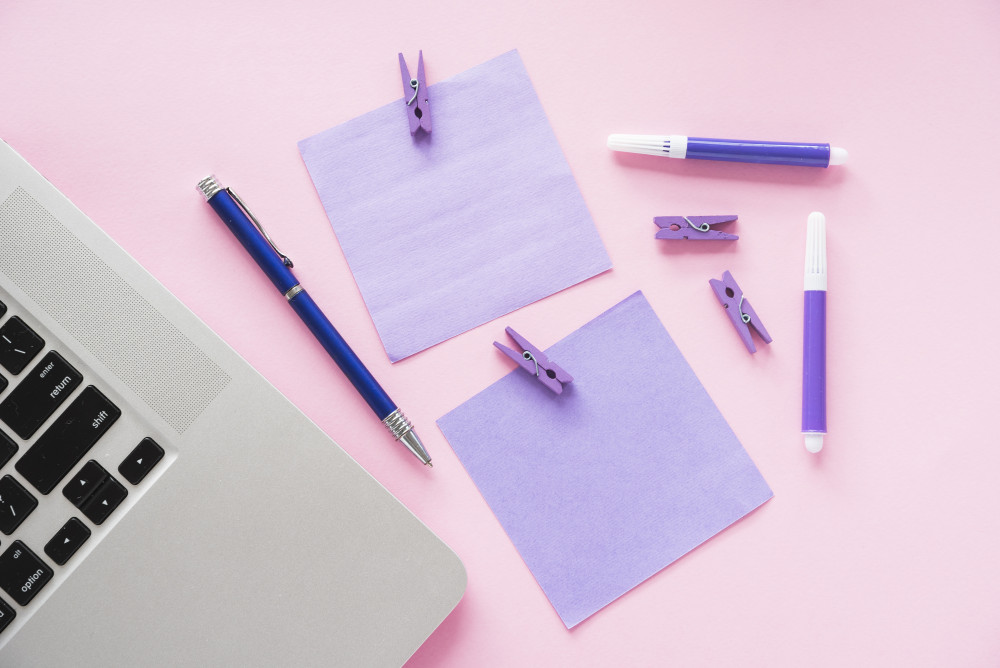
(704, 227)
(548, 372)
(528, 356)
(745, 317)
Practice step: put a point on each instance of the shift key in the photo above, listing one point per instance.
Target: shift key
(39, 395)
(69, 438)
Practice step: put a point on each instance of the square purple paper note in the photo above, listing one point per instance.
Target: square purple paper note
(631, 467)
(446, 231)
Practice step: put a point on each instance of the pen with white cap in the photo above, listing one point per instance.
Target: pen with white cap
(730, 150)
(814, 335)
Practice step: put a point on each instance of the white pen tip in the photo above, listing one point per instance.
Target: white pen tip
(838, 156)
(814, 442)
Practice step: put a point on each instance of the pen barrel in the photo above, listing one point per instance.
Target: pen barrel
(252, 240)
(763, 152)
(814, 362)
(346, 359)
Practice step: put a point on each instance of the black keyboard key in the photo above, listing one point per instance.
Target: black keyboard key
(39, 395)
(22, 574)
(94, 492)
(3, 383)
(16, 503)
(7, 449)
(69, 438)
(18, 345)
(3, 309)
(67, 541)
(83, 485)
(7, 614)
(104, 501)
(141, 461)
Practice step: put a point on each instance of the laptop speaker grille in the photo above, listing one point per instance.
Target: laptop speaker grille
(172, 375)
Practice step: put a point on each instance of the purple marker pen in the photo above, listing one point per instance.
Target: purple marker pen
(730, 150)
(814, 335)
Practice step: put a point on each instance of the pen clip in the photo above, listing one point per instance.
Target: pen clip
(287, 261)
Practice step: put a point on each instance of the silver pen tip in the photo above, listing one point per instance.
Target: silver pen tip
(402, 430)
(413, 444)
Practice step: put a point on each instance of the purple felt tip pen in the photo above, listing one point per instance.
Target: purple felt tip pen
(814, 335)
(730, 150)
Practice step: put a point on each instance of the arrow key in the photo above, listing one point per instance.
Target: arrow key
(85, 483)
(67, 541)
(140, 461)
(104, 501)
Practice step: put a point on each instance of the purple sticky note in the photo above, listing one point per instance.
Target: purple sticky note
(628, 469)
(448, 230)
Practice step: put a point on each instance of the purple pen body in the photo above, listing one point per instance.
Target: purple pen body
(814, 335)
(763, 152)
(814, 363)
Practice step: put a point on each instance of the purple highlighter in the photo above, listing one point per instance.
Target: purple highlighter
(730, 150)
(814, 335)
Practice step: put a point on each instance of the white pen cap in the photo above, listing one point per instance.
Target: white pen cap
(815, 274)
(671, 146)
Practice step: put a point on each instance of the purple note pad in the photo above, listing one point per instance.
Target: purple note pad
(446, 231)
(630, 468)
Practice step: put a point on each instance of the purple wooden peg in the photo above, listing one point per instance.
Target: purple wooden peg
(693, 227)
(416, 96)
(740, 313)
(535, 362)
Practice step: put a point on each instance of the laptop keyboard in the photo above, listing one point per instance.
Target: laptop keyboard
(51, 417)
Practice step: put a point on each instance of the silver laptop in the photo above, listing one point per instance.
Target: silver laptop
(160, 502)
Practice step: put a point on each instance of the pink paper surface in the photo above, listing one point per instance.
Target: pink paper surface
(880, 551)
(602, 486)
(448, 230)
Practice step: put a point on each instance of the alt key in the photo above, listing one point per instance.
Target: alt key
(22, 574)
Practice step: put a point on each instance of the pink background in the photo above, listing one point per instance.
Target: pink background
(882, 550)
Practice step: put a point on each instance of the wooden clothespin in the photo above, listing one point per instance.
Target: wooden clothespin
(416, 96)
(535, 362)
(693, 227)
(740, 313)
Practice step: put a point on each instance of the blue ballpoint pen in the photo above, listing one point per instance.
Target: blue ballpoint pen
(248, 230)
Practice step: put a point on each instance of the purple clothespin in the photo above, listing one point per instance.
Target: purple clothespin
(416, 96)
(739, 310)
(693, 227)
(535, 362)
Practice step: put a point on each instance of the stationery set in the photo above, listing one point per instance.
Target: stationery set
(603, 457)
